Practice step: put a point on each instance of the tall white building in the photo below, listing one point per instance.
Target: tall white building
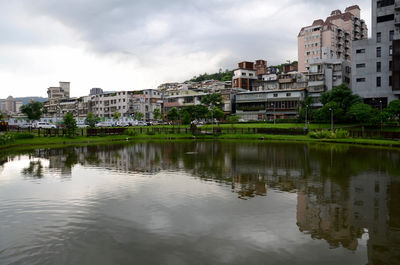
(376, 62)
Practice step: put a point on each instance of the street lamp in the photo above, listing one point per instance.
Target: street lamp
(380, 103)
(331, 118)
(306, 116)
(273, 105)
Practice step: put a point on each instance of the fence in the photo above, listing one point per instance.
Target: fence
(196, 131)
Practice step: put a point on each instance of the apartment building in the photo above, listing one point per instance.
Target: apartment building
(55, 96)
(244, 76)
(182, 98)
(10, 105)
(269, 105)
(324, 74)
(332, 38)
(376, 64)
(106, 104)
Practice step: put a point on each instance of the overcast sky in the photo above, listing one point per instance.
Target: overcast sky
(135, 44)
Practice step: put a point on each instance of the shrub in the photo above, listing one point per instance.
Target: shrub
(338, 134)
(151, 133)
(6, 138)
(130, 132)
(19, 136)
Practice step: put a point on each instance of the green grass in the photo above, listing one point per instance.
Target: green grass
(55, 142)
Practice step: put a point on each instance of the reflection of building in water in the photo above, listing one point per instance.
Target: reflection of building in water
(374, 198)
(323, 211)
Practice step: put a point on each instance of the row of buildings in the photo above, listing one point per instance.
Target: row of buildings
(10, 105)
(331, 52)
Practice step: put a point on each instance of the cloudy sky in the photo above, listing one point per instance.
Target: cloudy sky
(138, 44)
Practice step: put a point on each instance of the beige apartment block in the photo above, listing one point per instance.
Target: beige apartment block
(332, 38)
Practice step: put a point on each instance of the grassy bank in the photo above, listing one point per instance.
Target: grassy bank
(54, 142)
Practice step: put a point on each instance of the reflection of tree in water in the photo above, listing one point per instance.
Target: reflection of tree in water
(35, 169)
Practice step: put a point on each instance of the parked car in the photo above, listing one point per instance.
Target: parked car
(141, 123)
(25, 126)
(80, 125)
(44, 125)
(123, 124)
(104, 124)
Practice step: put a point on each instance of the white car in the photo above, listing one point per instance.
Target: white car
(104, 124)
(82, 125)
(45, 125)
(122, 124)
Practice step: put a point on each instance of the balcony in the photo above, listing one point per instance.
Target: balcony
(397, 19)
(397, 5)
(285, 80)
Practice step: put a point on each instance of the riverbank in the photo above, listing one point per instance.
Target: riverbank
(55, 142)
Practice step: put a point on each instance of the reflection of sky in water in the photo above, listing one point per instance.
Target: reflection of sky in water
(103, 216)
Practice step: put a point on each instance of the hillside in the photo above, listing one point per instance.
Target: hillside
(25, 100)
(221, 76)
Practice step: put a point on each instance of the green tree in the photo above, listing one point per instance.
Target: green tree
(1, 116)
(212, 99)
(217, 113)
(116, 115)
(139, 116)
(91, 120)
(70, 124)
(361, 113)
(342, 95)
(394, 109)
(157, 114)
(173, 115)
(186, 118)
(33, 110)
(324, 114)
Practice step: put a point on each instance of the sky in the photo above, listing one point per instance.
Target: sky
(140, 44)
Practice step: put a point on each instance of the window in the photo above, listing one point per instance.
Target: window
(360, 65)
(359, 80)
(390, 80)
(251, 74)
(288, 94)
(360, 51)
(386, 18)
(378, 37)
(390, 50)
(243, 74)
(378, 81)
(378, 52)
(378, 67)
(391, 35)
(384, 3)
(275, 95)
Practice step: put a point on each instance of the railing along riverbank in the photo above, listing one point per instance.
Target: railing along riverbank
(353, 132)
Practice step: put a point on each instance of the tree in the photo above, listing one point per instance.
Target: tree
(232, 119)
(342, 95)
(33, 110)
(212, 99)
(70, 124)
(186, 118)
(157, 114)
(324, 114)
(91, 120)
(361, 113)
(394, 109)
(1, 116)
(217, 113)
(139, 116)
(116, 115)
(173, 115)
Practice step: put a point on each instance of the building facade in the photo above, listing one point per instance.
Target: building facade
(376, 64)
(332, 38)
(10, 105)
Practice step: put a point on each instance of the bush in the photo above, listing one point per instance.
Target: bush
(130, 132)
(6, 138)
(340, 134)
(19, 136)
(151, 133)
(337, 134)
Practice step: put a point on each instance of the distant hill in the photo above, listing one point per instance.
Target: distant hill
(25, 100)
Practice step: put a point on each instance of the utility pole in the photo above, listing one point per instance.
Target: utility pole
(306, 116)
(380, 102)
(331, 118)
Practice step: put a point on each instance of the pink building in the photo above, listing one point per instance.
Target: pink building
(332, 38)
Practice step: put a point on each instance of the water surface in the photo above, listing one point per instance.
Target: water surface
(201, 203)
